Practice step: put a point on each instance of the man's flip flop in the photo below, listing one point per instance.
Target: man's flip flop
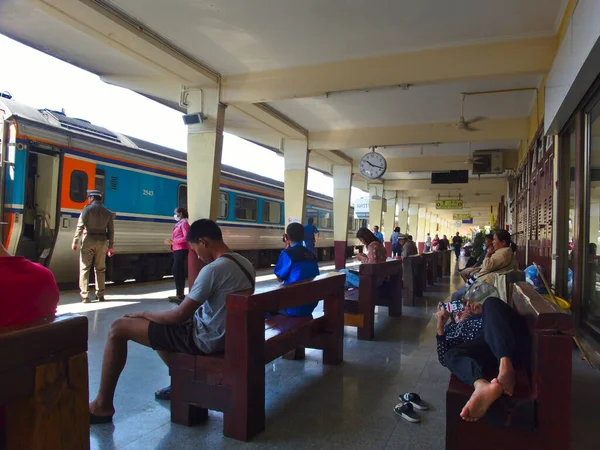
(163, 394)
(405, 410)
(414, 400)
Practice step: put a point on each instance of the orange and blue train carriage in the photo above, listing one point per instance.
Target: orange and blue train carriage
(50, 160)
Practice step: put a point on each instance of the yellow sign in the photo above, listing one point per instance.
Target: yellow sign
(463, 216)
(449, 204)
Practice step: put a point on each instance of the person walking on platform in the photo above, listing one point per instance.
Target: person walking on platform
(311, 235)
(396, 247)
(428, 243)
(97, 221)
(179, 245)
(377, 234)
(457, 243)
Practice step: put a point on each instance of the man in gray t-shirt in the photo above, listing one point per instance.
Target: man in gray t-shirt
(196, 326)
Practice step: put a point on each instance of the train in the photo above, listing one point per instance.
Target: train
(49, 160)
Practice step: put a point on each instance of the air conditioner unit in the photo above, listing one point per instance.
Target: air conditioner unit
(487, 162)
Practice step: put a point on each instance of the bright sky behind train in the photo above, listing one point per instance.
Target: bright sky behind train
(42, 81)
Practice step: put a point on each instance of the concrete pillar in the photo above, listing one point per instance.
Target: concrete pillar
(389, 214)
(427, 224)
(402, 207)
(342, 184)
(413, 221)
(295, 155)
(204, 149)
(375, 205)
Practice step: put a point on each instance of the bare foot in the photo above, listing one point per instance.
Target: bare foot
(485, 394)
(99, 411)
(506, 376)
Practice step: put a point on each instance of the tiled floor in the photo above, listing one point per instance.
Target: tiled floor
(308, 405)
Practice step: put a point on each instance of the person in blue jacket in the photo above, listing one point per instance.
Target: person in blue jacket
(310, 235)
(297, 263)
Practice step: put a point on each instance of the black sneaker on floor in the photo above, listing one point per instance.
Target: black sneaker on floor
(85, 300)
(414, 400)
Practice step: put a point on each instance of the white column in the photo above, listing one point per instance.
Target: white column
(295, 153)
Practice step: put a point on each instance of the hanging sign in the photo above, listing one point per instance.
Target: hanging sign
(449, 204)
(462, 216)
(468, 221)
(361, 208)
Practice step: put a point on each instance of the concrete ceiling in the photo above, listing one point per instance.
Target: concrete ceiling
(325, 71)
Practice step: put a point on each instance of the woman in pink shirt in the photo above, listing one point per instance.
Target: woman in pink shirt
(179, 246)
(375, 253)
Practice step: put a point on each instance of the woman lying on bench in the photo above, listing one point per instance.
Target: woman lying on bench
(375, 253)
(492, 350)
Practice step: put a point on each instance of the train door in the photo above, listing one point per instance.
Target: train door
(39, 225)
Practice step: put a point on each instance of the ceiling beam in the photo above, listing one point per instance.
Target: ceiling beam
(474, 185)
(125, 34)
(273, 120)
(447, 64)
(433, 163)
(423, 133)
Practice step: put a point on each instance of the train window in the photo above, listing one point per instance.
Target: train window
(223, 205)
(314, 214)
(271, 212)
(351, 222)
(182, 196)
(246, 208)
(326, 219)
(78, 186)
(99, 185)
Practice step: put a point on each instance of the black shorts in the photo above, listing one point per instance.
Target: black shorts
(173, 338)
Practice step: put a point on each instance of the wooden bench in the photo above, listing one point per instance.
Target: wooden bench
(437, 263)
(380, 285)
(537, 417)
(234, 381)
(44, 384)
(413, 281)
(445, 262)
(429, 267)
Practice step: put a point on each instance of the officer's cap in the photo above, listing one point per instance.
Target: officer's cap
(94, 192)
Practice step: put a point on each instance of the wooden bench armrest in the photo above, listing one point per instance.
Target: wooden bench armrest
(40, 339)
(542, 315)
(381, 270)
(289, 296)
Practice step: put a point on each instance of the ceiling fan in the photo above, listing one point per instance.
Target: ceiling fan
(465, 125)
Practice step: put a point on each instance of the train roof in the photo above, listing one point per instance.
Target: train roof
(229, 170)
(58, 119)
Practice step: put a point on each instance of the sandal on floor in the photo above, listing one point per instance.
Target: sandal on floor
(95, 420)
(163, 394)
(405, 410)
(414, 400)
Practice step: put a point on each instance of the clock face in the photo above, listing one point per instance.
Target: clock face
(372, 165)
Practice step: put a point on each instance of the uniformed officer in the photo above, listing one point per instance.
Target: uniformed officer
(97, 220)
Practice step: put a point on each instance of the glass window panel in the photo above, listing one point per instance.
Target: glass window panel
(182, 196)
(591, 298)
(246, 208)
(78, 186)
(223, 205)
(271, 212)
(326, 219)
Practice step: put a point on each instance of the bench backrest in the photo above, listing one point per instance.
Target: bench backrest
(551, 331)
(381, 271)
(371, 277)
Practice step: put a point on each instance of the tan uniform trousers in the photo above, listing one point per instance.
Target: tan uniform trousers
(93, 254)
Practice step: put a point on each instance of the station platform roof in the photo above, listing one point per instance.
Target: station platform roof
(346, 76)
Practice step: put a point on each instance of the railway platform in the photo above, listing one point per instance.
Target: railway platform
(308, 405)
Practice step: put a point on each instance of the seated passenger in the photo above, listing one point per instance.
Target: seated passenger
(502, 259)
(195, 327)
(29, 292)
(487, 252)
(501, 341)
(296, 263)
(375, 253)
(408, 246)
